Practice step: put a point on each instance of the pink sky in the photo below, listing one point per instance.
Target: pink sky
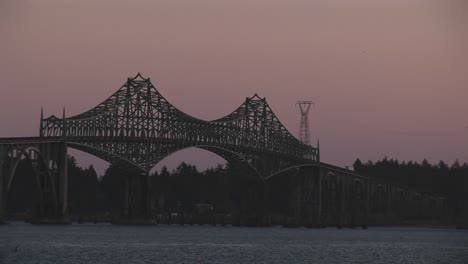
(389, 78)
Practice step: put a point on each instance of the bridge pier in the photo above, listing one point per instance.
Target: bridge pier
(136, 208)
(307, 198)
(357, 204)
(52, 179)
(332, 199)
(266, 219)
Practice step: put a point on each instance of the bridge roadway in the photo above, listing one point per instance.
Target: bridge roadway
(29, 141)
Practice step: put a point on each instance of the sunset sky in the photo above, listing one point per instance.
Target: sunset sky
(389, 77)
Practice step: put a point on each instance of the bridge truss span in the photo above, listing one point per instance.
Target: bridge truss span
(139, 126)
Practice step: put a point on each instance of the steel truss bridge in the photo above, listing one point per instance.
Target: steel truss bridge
(138, 127)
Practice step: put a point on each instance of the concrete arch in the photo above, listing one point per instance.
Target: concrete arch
(223, 153)
(379, 200)
(321, 165)
(112, 157)
(106, 156)
(41, 168)
(25, 153)
(358, 185)
(290, 168)
(358, 192)
(332, 204)
(332, 179)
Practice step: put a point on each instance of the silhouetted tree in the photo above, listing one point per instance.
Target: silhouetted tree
(450, 182)
(111, 186)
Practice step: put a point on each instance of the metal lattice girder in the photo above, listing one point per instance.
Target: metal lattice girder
(138, 125)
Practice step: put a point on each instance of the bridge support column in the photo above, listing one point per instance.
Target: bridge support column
(51, 169)
(266, 219)
(136, 201)
(313, 198)
(63, 180)
(307, 198)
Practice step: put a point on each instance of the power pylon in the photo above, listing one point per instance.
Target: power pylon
(304, 129)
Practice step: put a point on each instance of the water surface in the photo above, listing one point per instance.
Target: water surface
(104, 243)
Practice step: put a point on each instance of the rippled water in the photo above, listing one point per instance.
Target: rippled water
(103, 243)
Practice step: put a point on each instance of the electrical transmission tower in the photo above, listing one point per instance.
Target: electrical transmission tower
(304, 129)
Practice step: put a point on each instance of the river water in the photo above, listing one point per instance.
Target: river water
(104, 243)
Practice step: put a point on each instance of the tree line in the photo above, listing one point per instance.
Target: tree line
(449, 181)
(223, 187)
(180, 189)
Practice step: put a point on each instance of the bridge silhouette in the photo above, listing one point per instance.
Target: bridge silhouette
(137, 127)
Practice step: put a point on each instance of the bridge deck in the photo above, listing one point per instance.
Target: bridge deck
(29, 140)
(35, 140)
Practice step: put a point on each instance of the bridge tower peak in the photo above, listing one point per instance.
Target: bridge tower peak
(256, 97)
(139, 77)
